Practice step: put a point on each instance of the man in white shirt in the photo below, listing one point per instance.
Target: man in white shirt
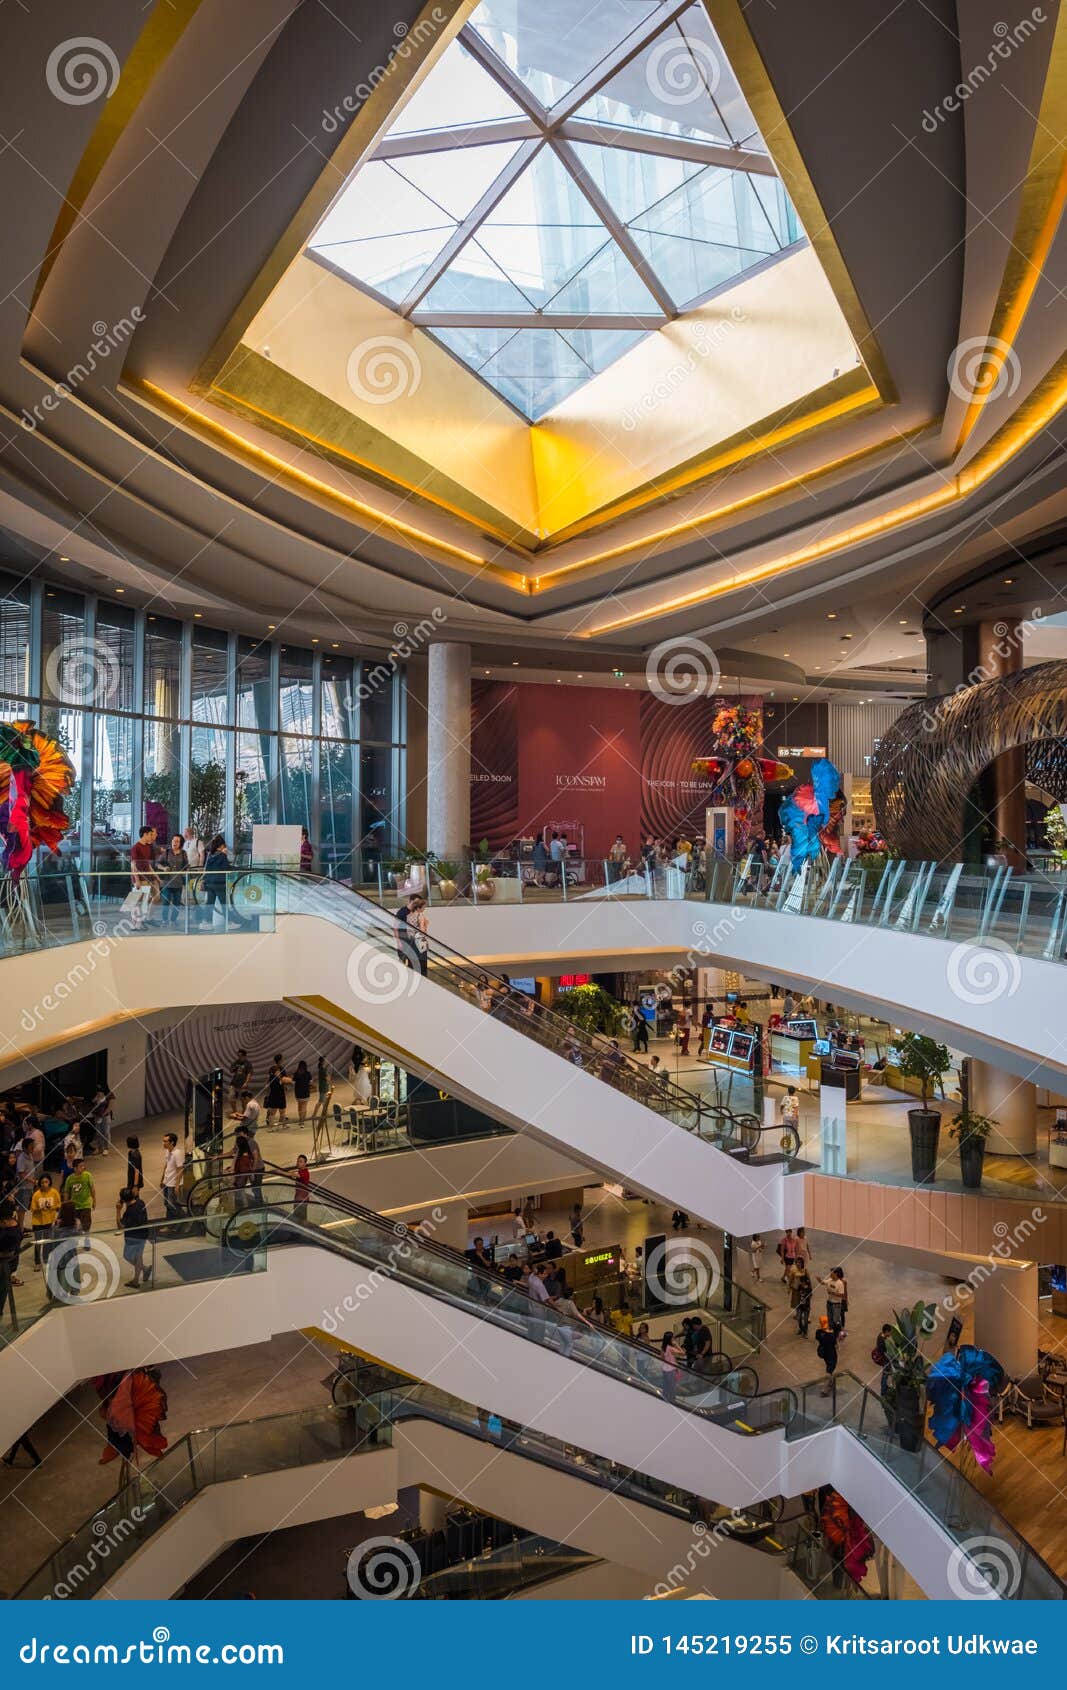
(534, 1286)
(171, 1178)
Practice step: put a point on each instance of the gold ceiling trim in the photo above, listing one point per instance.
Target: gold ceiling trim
(266, 393)
(438, 23)
(176, 410)
(847, 397)
(166, 25)
(1041, 206)
(747, 63)
(1045, 403)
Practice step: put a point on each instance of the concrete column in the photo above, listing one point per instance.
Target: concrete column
(1011, 1102)
(448, 750)
(1006, 1316)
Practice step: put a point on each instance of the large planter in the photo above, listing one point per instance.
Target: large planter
(908, 1417)
(484, 888)
(447, 889)
(972, 1156)
(924, 1126)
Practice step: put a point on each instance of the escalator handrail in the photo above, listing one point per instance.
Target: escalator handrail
(539, 1313)
(384, 925)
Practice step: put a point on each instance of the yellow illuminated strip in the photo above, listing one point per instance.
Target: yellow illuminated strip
(187, 414)
(707, 518)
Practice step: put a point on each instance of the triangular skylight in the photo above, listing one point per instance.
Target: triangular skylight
(521, 207)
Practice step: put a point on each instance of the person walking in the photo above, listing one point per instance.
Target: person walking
(412, 934)
(44, 1209)
(805, 1253)
(307, 852)
(240, 1075)
(755, 1254)
(826, 1346)
(131, 1216)
(174, 869)
(786, 1251)
(685, 1027)
(802, 1306)
(276, 1098)
(134, 1165)
(638, 1028)
(302, 1090)
(617, 857)
(216, 870)
(836, 1287)
(170, 1180)
(243, 1169)
(79, 1189)
(672, 1360)
(10, 1246)
(789, 1110)
(302, 1181)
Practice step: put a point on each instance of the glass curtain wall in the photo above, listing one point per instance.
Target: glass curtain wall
(172, 723)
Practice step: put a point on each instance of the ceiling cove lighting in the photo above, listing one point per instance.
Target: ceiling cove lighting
(561, 184)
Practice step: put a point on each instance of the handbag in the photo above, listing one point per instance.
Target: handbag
(137, 898)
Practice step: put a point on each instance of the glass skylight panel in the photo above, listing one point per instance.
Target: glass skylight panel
(456, 179)
(529, 246)
(630, 181)
(456, 91)
(553, 44)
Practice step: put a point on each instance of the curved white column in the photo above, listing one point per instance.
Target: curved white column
(448, 750)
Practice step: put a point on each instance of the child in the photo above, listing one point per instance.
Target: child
(303, 1187)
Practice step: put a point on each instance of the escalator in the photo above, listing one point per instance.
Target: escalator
(427, 1310)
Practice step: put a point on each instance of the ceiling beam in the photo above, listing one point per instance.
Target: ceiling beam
(503, 75)
(617, 229)
(533, 320)
(609, 66)
(667, 146)
(448, 140)
(476, 216)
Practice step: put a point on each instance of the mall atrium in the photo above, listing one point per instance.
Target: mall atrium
(533, 782)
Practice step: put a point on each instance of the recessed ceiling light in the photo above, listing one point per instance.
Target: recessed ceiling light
(485, 671)
(581, 677)
(1009, 580)
(271, 627)
(514, 663)
(785, 654)
(559, 683)
(120, 589)
(959, 610)
(197, 614)
(831, 616)
(336, 645)
(818, 666)
(846, 636)
(903, 621)
(314, 642)
(795, 699)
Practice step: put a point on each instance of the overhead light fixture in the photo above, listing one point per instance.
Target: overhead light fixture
(271, 627)
(831, 616)
(314, 642)
(903, 621)
(336, 645)
(1009, 580)
(197, 615)
(959, 610)
(581, 677)
(120, 589)
(63, 558)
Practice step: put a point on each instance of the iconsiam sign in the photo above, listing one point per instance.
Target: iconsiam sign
(738, 775)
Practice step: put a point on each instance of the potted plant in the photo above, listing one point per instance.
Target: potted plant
(904, 1375)
(970, 1130)
(484, 884)
(395, 868)
(923, 1059)
(446, 879)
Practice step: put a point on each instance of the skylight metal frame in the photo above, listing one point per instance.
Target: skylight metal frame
(557, 129)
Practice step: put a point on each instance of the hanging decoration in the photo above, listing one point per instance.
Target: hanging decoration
(960, 1389)
(738, 775)
(813, 813)
(134, 1406)
(35, 776)
(846, 1535)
